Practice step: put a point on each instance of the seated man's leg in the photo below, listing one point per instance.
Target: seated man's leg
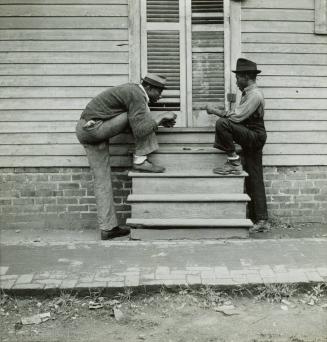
(255, 184)
(226, 133)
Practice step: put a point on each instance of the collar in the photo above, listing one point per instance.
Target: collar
(146, 95)
(249, 88)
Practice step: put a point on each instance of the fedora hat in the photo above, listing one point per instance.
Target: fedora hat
(245, 65)
(155, 80)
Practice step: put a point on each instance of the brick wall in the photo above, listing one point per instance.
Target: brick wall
(48, 198)
(55, 197)
(297, 194)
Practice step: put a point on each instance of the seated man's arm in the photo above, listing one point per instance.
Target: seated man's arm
(216, 110)
(245, 109)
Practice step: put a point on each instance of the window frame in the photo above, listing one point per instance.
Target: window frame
(232, 48)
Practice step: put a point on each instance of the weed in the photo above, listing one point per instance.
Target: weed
(126, 295)
(274, 293)
(314, 295)
(212, 296)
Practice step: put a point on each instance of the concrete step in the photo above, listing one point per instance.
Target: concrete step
(201, 182)
(184, 159)
(165, 206)
(174, 229)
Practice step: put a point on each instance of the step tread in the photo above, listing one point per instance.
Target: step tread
(188, 150)
(190, 222)
(191, 150)
(188, 198)
(184, 174)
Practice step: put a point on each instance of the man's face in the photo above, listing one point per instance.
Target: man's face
(154, 94)
(242, 81)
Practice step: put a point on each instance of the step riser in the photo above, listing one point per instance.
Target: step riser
(180, 162)
(190, 234)
(188, 185)
(213, 210)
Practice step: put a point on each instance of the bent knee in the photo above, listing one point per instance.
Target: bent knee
(222, 124)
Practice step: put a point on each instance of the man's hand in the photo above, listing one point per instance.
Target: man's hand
(215, 110)
(168, 119)
(169, 116)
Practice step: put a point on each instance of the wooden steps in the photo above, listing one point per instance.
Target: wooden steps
(188, 201)
(188, 205)
(181, 158)
(198, 182)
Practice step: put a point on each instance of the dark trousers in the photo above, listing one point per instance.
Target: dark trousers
(252, 143)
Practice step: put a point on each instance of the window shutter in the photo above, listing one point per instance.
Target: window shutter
(208, 85)
(162, 41)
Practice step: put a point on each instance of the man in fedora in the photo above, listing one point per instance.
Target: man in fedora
(245, 126)
(111, 113)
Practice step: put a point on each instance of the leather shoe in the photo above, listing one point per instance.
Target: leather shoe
(114, 232)
(147, 166)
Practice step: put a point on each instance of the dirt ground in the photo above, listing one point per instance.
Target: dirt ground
(267, 313)
(278, 229)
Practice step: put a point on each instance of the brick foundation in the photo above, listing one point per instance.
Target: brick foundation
(297, 194)
(56, 197)
(46, 198)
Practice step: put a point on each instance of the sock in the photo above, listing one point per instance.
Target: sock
(233, 158)
(139, 159)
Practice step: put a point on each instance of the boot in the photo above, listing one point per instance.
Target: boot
(231, 167)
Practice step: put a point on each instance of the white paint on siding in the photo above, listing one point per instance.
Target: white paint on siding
(279, 36)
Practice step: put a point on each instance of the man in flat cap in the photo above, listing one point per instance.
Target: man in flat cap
(111, 113)
(245, 126)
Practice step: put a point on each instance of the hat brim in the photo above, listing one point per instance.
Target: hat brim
(244, 71)
(154, 83)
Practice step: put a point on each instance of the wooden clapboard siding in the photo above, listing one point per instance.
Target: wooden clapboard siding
(63, 46)
(73, 115)
(279, 36)
(62, 80)
(69, 126)
(54, 57)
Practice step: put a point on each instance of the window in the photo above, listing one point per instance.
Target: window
(184, 41)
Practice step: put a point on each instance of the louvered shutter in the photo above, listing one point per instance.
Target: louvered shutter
(208, 85)
(163, 51)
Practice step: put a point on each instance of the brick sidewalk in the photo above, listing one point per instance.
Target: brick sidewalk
(118, 264)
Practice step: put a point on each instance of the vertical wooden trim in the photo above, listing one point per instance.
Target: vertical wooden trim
(235, 42)
(182, 59)
(188, 62)
(321, 16)
(144, 40)
(134, 32)
(227, 47)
